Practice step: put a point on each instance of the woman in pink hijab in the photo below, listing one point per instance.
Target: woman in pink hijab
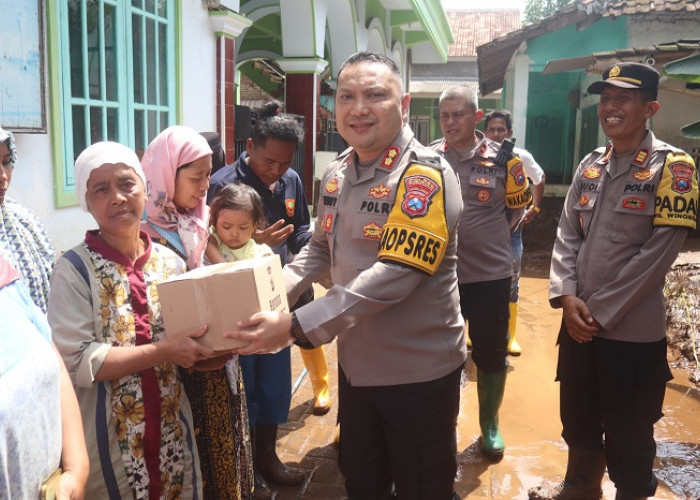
(177, 165)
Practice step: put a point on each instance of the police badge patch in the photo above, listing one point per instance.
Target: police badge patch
(591, 173)
(332, 185)
(373, 231)
(419, 191)
(380, 191)
(289, 204)
(518, 174)
(682, 176)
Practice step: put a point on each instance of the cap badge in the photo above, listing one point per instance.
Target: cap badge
(614, 71)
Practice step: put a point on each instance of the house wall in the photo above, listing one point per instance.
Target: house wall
(33, 178)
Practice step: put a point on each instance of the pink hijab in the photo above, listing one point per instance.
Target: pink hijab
(173, 147)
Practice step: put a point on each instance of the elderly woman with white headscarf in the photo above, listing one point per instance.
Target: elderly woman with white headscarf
(108, 327)
(23, 240)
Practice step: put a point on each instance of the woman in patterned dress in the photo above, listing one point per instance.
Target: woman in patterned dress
(177, 164)
(108, 327)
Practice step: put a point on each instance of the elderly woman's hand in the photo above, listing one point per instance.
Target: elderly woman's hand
(185, 350)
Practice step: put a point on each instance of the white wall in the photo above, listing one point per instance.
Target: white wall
(33, 178)
(198, 68)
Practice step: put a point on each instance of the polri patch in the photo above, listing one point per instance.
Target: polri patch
(328, 223)
(682, 176)
(591, 172)
(380, 191)
(289, 204)
(518, 174)
(483, 181)
(634, 203)
(420, 190)
(332, 185)
(642, 175)
(372, 231)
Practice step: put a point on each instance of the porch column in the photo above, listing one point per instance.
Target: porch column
(227, 26)
(302, 95)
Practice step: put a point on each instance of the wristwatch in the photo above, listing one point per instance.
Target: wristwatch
(536, 208)
(298, 334)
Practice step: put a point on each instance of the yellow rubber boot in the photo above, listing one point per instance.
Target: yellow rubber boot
(513, 346)
(315, 363)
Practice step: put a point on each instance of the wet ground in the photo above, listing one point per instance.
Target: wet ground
(529, 421)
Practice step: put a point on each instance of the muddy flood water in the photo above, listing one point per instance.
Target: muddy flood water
(529, 421)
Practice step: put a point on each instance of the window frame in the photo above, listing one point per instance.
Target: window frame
(60, 90)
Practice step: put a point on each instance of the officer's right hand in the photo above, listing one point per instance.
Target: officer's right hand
(578, 319)
(274, 235)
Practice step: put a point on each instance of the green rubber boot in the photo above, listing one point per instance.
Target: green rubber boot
(490, 388)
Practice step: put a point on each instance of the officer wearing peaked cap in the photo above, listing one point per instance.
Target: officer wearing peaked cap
(394, 305)
(627, 212)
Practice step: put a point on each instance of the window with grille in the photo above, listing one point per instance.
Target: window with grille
(117, 62)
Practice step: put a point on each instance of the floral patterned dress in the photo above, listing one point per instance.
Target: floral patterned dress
(138, 428)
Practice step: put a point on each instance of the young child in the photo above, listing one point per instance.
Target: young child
(235, 213)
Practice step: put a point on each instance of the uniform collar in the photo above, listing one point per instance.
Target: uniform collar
(389, 159)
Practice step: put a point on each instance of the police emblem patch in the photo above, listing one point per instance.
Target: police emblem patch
(642, 175)
(380, 191)
(390, 157)
(332, 185)
(518, 174)
(634, 202)
(372, 231)
(419, 191)
(289, 204)
(591, 173)
(483, 181)
(682, 177)
(641, 156)
(483, 195)
(328, 223)
(583, 200)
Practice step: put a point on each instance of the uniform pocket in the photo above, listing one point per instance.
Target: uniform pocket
(482, 189)
(584, 208)
(633, 214)
(366, 233)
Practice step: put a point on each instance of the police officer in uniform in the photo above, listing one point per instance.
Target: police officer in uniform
(498, 126)
(386, 231)
(491, 193)
(625, 217)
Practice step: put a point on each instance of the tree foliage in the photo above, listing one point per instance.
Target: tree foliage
(536, 10)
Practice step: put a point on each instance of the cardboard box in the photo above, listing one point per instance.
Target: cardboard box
(219, 296)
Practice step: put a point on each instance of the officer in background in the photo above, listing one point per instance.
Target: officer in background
(498, 126)
(625, 217)
(387, 232)
(493, 192)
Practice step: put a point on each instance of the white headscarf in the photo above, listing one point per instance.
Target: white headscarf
(102, 153)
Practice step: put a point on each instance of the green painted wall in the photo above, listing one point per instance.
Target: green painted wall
(553, 99)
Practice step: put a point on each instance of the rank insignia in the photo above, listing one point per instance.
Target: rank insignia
(328, 223)
(682, 177)
(289, 205)
(642, 175)
(390, 157)
(380, 191)
(483, 148)
(483, 195)
(483, 181)
(419, 191)
(583, 200)
(518, 174)
(634, 202)
(591, 173)
(372, 231)
(608, 153)
(332, 185)
(641, 156)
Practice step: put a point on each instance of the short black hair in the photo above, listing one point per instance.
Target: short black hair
(268, 123)
(373, 57)
(503, 115)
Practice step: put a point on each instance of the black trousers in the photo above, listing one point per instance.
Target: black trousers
(399, 436)
(485, 305)
(612, 392)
